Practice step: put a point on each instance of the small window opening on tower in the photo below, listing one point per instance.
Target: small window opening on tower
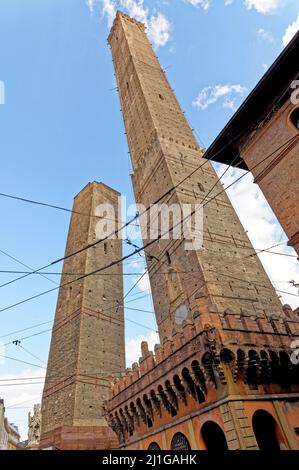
(168, 257)
(294, 118)
(201, 188)
(161, 97)
(69, 293)
(105, 248)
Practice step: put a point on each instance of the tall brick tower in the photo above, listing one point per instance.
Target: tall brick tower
(87, 342)
(164, 151)
(224, 375)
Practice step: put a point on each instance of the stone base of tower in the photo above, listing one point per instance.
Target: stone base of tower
(79, 438)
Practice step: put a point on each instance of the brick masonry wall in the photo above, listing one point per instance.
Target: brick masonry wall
(87, 342)
(229, 396)
(164, 151)
(278, 176)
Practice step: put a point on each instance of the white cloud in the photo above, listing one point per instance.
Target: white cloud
(212, 94)
(229, 104)
(265, 67)
(158, 30)
(290, 31)
(109, 10)
(264, 231)
(136, 9)
(158, 26)
(143, 281)
(265, 35)
(2, 92)
(22, 396)
(204, 4)
(133, 350)
(2, 353)
(90, 5)
(264, 6)
(137, 265)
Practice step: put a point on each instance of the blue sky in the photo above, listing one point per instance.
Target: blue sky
(61, 127)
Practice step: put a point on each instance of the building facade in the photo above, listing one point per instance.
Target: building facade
(3, 433)
(13, 436)
(9, 433)
(87, 342)
(223, 367)
(264, 135)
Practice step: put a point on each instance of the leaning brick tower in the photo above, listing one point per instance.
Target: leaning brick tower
(164, 151)
(224, 336)
(87, 345)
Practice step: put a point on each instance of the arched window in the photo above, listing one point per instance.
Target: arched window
(200, 187)
(213, 436)
(294, 118)
(180, 442)
(154, 446)
(264, 427)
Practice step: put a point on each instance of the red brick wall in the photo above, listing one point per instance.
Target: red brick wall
(279, 174)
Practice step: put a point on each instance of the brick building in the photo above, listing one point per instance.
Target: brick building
(9, 433)
(3, 433)
(88, 333)
(267, 123)
(222, 376)
(13, 436)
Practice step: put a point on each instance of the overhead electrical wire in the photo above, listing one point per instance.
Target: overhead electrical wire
(260, 250)
(136, 251)
(20, 360)
(143, 274)
(192, 373)
(25, 265)
(263, 250)
(138, 215)
(30, 353)
(39, 366)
